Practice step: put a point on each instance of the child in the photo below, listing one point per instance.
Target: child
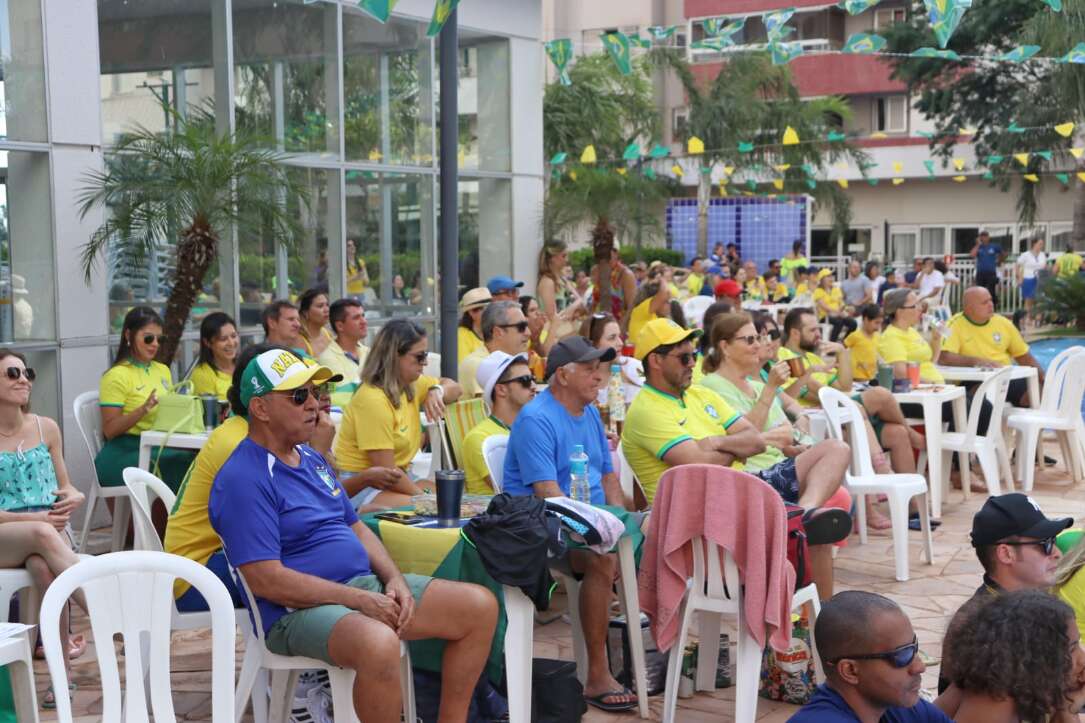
(864, 343)
(890, 283)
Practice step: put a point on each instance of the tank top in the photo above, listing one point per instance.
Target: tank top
(28, 478)
(617, 300)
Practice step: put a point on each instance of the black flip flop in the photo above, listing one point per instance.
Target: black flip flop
(596, 701)
(826, 525)
(913, 522)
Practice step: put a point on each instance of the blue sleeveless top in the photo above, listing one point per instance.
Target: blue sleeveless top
(27, 479)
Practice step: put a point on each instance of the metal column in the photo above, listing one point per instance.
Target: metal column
(448, 266)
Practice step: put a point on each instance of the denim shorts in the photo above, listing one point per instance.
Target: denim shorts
(783, 478)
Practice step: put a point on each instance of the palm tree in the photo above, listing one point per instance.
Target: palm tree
(183, 190)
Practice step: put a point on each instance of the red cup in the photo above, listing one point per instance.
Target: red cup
(913, 374)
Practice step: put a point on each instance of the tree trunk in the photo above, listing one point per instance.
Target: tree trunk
(195, 255)
(704, 196)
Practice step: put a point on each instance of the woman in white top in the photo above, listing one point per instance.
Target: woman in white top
(604, 332)
(1028, 264)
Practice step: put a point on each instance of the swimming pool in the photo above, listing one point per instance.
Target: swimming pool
(1047, 349)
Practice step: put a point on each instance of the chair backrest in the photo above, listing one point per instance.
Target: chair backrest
(255, 621)
(494, 448)
(695, 308)
(144, 488)
(847, 424)
(1051, 399)
(994, 391)
(1071, 387)
(460, 418)
(88, 417)
(626, 478)
(433, 365)
(131, 594)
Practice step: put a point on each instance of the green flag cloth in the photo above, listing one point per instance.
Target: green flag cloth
(935, 53)
(945, 16)
(659, 151)
(1064, 179)
(1055, 5)
(745, 147)
(441, 10)
(994, 160)
(1014, 128)
(561, 52)
(751, 184)
(1046, 155)
(784, 53)
(930, 167)
(716, 43)
(632, 152)
(872, 181)
(926, 134)
(811, 184)
(662, 32)
(1020, 53)
(835, 136)
(380, 9)
(1077, 55)
(644, 43)
(808, 169)
(864, 43)
(617, 45)
(559, 158)
(776, 24)
(854, 7)
(988, 176)
(649, 172)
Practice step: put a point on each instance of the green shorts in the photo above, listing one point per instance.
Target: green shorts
(306, 632)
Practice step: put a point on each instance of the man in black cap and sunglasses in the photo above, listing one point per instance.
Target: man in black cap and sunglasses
(504, 328)
(873, 671)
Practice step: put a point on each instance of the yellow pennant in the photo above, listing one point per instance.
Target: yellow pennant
(747, 193)
(677, 170)
(462, 158)
(723, 191)
(960, 179)
(791, 138)
(622, 171)
(782, 167)
(1081, 176)
(1077, 152)
(958, 163)
(572, 175)
(843, 182)
(778, 184)
(695, 147)
(898, 181)
(898, 167)
(878, 135)
(588, 156)
(1065, 129)
(728, 170)
(724, 181)
(1032, 178)
(1022, 158)
(375, 155)
(966, 131)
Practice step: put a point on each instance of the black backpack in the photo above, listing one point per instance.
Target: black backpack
(556, 695)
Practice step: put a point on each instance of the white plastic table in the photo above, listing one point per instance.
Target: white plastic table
(982, 374)
(931, 399)
(15, 654)
(151, 439)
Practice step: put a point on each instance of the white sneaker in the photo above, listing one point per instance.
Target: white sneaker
(313, 708)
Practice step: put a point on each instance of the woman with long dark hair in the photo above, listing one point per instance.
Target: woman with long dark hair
(219, 343)
(314, 308)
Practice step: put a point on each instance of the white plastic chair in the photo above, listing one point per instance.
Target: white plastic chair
(493, 452)
(131, 594)
(989, 448)
(258, 658)
(433, 365)
(716, 589)
(862, 480)
(694, 309)
(88, 418)
(18, 580)
(628, 480)
(1060, 411)
(15, 655)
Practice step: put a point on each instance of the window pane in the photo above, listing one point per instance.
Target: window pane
(307, 263)
(170, 65)
(45, 397)
(932, 241)
(485, 142)
(387, 90)
(27, 293)
(286, 73)
(485, 230)
(902, 246)
(22, 72)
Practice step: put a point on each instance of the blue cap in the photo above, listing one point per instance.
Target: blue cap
(497, 284)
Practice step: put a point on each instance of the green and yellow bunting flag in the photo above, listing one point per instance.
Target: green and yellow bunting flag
(1065, 129)
(776, 24)
(1055, 5)
(617, 45)
(854, 7)
(784, 53)
(1019, 54)
(1014, 128)
(643, 43)
(1077, 55)
(559, 158)
(835, 137)
(864, 43)
(791, 137)
(441, 11)
(716, 43)
(380, 9)
(994, 160)
(659, 152)
(632, 152)
(745, 147)
(588, 156)
(1064, 178)
(930, 167)
(662, 32)
(560, 53)
(1046, 155)
(945, 16)
(695, 146)
(935, 53)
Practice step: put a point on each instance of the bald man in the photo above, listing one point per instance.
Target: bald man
(872, 666)
(990, 339)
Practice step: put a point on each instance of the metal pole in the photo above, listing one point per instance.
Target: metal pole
(448, 266)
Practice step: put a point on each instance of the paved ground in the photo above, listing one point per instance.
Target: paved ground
(929, 598)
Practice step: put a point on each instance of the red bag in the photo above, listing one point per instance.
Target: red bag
(798, 549)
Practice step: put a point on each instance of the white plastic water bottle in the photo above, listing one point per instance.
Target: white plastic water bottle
(615, 398)
(579, 487)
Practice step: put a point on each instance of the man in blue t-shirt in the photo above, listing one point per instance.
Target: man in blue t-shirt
(537, 462)
(873, 671)
(323, 584)
(988, 256)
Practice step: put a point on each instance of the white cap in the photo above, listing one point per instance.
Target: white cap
(491, 369)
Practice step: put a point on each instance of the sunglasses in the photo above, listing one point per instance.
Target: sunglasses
(685, 358)
(1046, 545)
(750, 339)
(900, 657)
(301, 395)
(152, 338)
(525, 381)
(520, 326)
(16, 372)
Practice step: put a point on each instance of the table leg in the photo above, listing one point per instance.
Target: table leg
(518, 651)
(1034, 403)
(932, 421)
(22, 685)
(144, 456)
(960, 423)
(630, 599)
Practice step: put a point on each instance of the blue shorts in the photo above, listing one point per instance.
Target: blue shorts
(1028, 288)
(783, 478)
(192, 601)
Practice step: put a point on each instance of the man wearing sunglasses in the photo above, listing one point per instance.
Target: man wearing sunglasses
(325, 585)
(873, 671)
(504, 328)
(1015, 544)
(507, 386)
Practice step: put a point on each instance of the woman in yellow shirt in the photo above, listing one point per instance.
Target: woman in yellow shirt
(469, 333)
(382, 430)
(219, 344)
(314, 309)
(829, 303)
(357, 275)
(863, 344)
(653, 300)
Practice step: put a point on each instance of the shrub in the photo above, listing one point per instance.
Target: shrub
(1064, 297)
(582, 259)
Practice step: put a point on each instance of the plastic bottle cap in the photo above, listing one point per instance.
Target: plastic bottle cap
(578, 449)
(615, 368)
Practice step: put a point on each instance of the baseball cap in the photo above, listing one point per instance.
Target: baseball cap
(728, 287)
(573, 350)
(661, 332)
(823, 273)
(278, 370)
(1010, 515)
(475, 298)
(491, 368)
(502, 283)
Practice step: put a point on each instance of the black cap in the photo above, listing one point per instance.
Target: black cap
(1011, 515)
(574, 349)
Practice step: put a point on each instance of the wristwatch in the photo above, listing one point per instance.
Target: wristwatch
(438, 387)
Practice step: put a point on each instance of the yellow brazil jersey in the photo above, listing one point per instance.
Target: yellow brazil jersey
(208, 380)
(777, 294)
(468, 371)
(864, 355)
(802, 289)
(128, 384)
(370, 422)
(694, 283)
(466, 342)
(355, 286)
(474, 464)
(998, 340)
(656, 422)
(897, 345)
(826, 379)
(834, 299)
(755, 289)
(641, 315)
(1072, 593)
(1068, 264)
(189, 532)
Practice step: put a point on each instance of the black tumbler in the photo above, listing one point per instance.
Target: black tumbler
(449, 496)
(210, 411)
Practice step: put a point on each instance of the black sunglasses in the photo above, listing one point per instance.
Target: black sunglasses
(520, 326)
(152, 338)
(300, 395)
(525, 381)
(16, 372)
(1046, 545)
(900, 657)
(685, 358)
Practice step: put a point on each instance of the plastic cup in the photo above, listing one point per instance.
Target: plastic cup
(913, 373)
(210, 411)
(796, 366)
(449, 496)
